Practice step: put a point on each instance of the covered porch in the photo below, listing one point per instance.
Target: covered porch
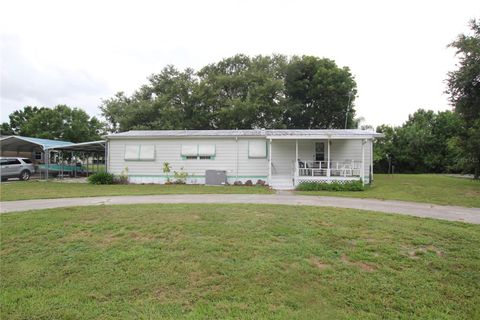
(293, 160)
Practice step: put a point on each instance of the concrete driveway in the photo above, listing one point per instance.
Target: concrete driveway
(451, 213)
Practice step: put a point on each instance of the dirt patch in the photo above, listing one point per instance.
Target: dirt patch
(416, 253)
(108, 239)
(141, 237)
(78, 235)
(319, 264)
(362, 265)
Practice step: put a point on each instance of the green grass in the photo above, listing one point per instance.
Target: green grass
(429, 188)
(23, 190)
(236, 261)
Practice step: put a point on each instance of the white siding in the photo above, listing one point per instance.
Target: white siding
(283, 158)
(169, 150)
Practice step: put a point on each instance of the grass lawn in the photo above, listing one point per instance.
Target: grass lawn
(430, 188)
(236, 261)
(23, 190)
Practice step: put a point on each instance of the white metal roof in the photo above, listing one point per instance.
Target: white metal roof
(20, 143)
(269, 134)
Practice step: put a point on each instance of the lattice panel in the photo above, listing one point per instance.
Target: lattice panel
(325, 181)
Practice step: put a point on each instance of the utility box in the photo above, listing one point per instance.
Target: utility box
(215, 177)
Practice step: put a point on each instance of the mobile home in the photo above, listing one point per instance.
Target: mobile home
(281, 158)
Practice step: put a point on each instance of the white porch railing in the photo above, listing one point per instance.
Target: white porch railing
(347, 168)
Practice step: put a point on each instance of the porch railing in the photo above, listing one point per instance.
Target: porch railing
(347, 168)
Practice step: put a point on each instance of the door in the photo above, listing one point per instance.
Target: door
(319, 151)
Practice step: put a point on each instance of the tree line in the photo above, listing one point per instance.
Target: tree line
(276, 91)
(240, 92)
(446, 141)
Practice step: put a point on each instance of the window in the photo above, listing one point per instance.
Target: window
(319, 151)
(257, 149)
(26, 160)
(189, 150)
(198, 152)
(206, 150)
(38, 155)
(145, 152)
(132, 152)
(12, 161)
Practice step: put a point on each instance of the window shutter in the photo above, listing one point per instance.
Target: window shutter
(132, 152)
(257, 149)
(147, 152)
(189, 150)
(206, 150)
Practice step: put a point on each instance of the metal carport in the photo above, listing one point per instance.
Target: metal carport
(95, 148)
(17, 144)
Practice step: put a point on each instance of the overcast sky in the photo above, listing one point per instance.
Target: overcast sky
(76, 53)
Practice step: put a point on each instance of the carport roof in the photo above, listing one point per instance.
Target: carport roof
(90, 146)
(20, 143)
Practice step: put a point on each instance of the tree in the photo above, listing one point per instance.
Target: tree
(243, 92)
(169, 101)
(422, 144)
(19, 118)
(6, 130)
(463, 85)
(318, 94)
(60, 122)
(240, 92)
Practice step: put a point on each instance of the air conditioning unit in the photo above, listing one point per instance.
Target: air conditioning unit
(215, 177)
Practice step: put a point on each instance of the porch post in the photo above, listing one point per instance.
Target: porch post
(371, 161)
(328, 158)
(295, 163)
(363, 162)
(270, 163)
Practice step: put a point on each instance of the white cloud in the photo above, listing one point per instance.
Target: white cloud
(78, 53)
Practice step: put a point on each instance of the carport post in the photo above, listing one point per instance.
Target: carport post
(106, 155)
(74, 164)
(47, 158)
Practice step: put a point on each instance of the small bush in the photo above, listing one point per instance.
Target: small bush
(180, 176)
(333, 186)
(101, 178)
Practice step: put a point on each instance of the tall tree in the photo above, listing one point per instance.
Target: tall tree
(60, 122)
(464, 90)
(19, 118)
(243, 92)
(240, 92)
(168, 101)
(421, 144)
(319, 94)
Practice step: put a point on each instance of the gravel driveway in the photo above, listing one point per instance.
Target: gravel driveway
(452, 213)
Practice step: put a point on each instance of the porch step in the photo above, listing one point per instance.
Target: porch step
(282, 183)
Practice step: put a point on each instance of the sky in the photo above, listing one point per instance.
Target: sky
(78, 53)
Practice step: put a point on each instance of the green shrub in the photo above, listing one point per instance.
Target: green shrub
(333, 186)
(101, 178)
